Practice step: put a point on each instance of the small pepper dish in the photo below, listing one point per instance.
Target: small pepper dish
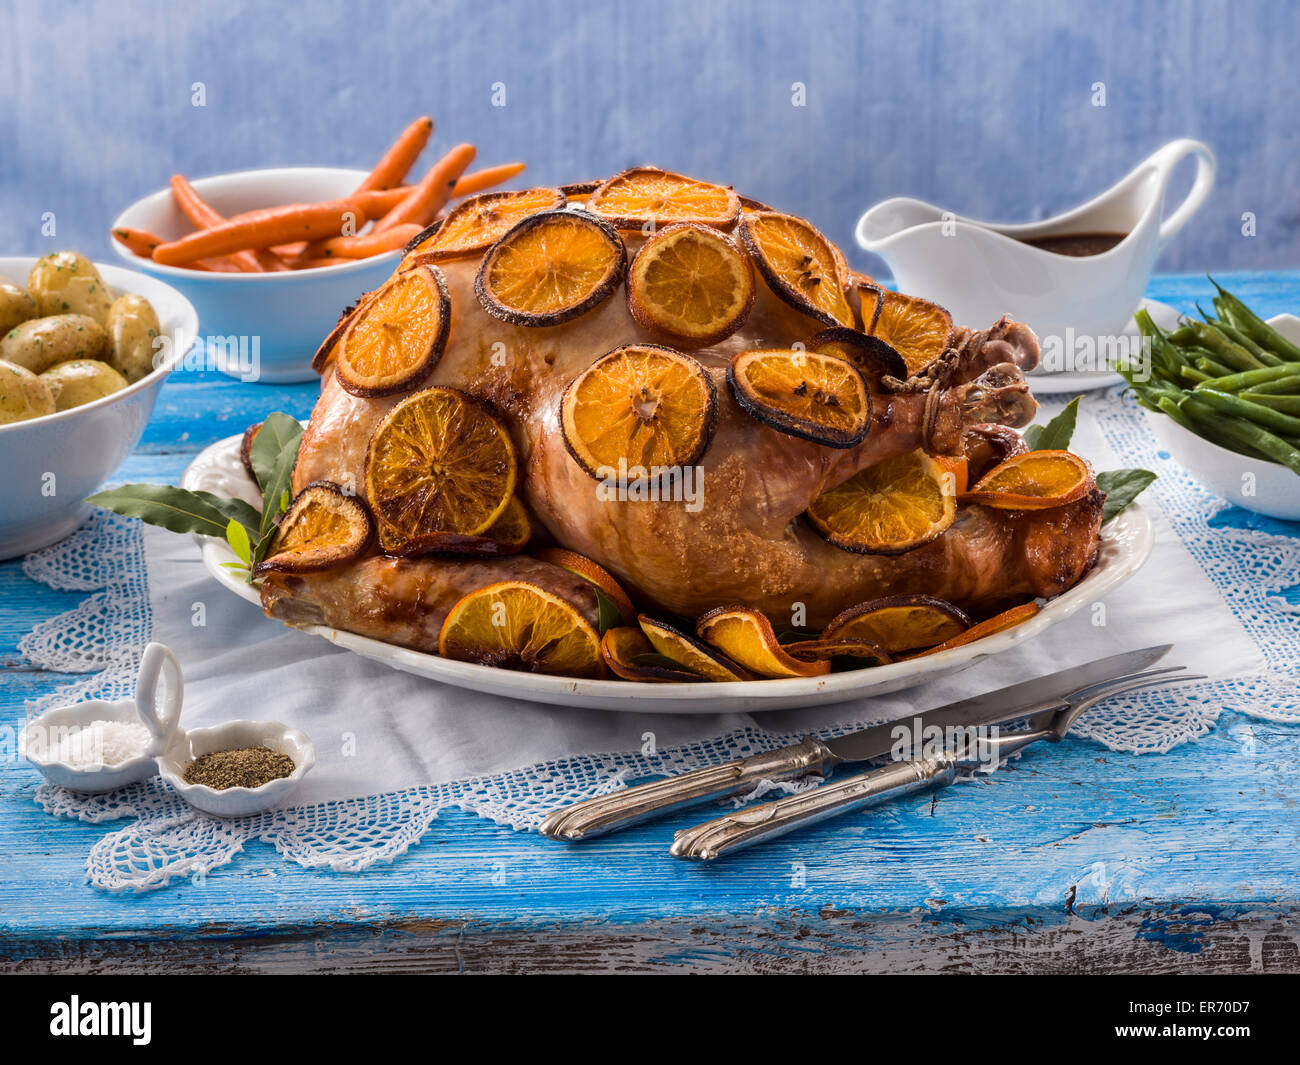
(237, 802)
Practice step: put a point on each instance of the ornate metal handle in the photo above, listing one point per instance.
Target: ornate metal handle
(607, 813)
(756, 824)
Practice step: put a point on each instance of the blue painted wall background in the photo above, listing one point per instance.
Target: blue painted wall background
(979, 106)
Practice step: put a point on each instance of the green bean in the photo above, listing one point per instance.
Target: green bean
(1197, 377)
(1170, 407)
(1235, 382)
(1238, 336)
(1244, 408)
(1183, 335)
(1286, 404)
(1224, 349)
(1210, 366)
(1283, 386)
(1250, 323)
(1236, 433)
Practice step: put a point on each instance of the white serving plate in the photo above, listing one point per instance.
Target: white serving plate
(1125, 544)
(1045, 382)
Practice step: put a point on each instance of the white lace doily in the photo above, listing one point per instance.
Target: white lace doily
(167, 840)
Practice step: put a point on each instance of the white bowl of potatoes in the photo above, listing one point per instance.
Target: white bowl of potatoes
(84, 350)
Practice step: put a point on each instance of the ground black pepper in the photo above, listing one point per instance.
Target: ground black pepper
(240, 767)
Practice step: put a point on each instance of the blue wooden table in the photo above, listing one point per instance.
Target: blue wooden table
(1074, 859)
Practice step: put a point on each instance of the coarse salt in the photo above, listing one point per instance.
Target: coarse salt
(103, 743)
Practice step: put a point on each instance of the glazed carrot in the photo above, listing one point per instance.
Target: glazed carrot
(138, 241)
(399, 159)
(378, 202)
(481, 180)
(368, 244)
(424, 201)
(261, 229)
(203, 216)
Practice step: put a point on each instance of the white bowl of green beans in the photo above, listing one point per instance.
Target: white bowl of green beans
(1224, 400)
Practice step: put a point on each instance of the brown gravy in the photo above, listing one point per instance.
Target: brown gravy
(1076, 245)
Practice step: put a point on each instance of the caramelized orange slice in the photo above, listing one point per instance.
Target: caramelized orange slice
(438, 462)
(803, 393)
(647, 196)
(550, 268)
(323, 527)
(638, 407)
(799, 265)
(871, 298)
(999, 622)
(246, 450)
(988, 445)
(508, 535)
(1036, 480)
(479, 222)
(746, 636)
(631, 656)
(689, 653)
(874, 358)
(691, 282)
(517, 625)
(894, 506)
(957, 468)
(899, 622)
(325, 352)
(864, 652)
(917, 329)
(397, 338)
(582, 566)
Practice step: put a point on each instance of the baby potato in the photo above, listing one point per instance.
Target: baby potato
(16, 305)
(132, 328)
(40, 343)
(23, 395)
(81, 381)
(64, 282)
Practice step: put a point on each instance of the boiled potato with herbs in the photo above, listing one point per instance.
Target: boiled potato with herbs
(16, 305)
(38, 344)
(81, 381)
(23, 395)
(132, 329)
(65, 282)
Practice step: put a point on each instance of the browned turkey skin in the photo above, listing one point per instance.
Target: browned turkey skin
(743, 541)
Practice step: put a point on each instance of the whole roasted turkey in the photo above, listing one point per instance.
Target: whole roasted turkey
(746, 541)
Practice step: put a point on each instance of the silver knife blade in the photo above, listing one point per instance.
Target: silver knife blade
(997, 707)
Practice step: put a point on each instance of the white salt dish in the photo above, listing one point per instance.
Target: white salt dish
(42, 735)
(237, 802)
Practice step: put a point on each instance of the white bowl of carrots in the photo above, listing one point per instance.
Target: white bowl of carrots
(270, 258)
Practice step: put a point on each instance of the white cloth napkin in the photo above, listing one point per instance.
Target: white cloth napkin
(378, 730)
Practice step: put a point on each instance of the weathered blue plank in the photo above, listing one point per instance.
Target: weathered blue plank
(1191, 854)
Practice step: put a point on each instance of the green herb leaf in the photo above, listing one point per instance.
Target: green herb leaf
(275, 487)
(237, 538)
(238, 510)
(276, 431)
(171, 508)
(608, 615)
(1121, 488)
(1056, 434)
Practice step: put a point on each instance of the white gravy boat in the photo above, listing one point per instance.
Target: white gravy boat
(981, 271)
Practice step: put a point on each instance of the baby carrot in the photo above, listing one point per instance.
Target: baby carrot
(261, 229)
(378, 202)
(424, 201)
(481, 180)
(395, 162)
(203, 216)
(372, 243)
(138, 241)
